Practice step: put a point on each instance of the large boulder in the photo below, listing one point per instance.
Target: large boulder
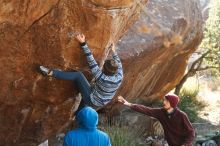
(156, 48)
(33, 107)
(154, 53)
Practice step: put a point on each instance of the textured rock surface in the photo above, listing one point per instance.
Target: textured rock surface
(156, 49)
(32, 107)
(154, 54)
(205, 6)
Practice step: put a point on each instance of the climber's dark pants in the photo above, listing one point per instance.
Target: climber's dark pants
(81, 83)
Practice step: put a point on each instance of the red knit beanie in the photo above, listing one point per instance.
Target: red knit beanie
(173, 99)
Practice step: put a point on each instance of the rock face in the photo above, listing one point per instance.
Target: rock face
(205, 6)
(33, 107)
(156, 48)
(154, 53)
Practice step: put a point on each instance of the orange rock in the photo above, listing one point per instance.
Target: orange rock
(41, 32)
(33, 107)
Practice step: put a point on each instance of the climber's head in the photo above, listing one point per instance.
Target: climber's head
(110, 67)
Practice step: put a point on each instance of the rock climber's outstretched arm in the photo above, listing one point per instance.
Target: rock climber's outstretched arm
(96, 71)
(116, 58)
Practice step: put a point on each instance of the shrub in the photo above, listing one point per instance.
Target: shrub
(121, 136)
(190, 104)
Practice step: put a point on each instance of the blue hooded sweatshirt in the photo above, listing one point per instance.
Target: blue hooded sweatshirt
(87, 134)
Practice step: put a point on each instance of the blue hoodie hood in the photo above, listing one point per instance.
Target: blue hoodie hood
(87, 118)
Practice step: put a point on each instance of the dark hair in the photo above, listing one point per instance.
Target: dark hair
(110, 67)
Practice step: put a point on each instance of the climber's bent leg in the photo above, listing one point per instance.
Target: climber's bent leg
(80, 80)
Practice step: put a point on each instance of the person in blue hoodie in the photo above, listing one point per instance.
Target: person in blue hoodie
(87, 134)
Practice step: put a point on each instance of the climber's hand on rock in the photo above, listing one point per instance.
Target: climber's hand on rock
(81, 38)
(112, 47)
(121, 100)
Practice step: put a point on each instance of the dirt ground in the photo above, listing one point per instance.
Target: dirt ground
(211, 96)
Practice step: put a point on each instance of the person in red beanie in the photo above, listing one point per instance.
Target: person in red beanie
(178, 130)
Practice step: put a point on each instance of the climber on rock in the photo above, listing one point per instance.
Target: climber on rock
(178, 130)
(106, 81)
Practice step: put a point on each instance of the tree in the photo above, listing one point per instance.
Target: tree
(212, 36)
(209, 57)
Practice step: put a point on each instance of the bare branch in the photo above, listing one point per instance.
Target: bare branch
(199, 60)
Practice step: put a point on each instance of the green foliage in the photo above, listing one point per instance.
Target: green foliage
(212, 36)
(121, 136)
(190, 104)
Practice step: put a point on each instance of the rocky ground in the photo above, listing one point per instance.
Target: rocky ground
(212, 99)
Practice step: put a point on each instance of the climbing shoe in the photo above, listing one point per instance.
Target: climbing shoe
(45, 71)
